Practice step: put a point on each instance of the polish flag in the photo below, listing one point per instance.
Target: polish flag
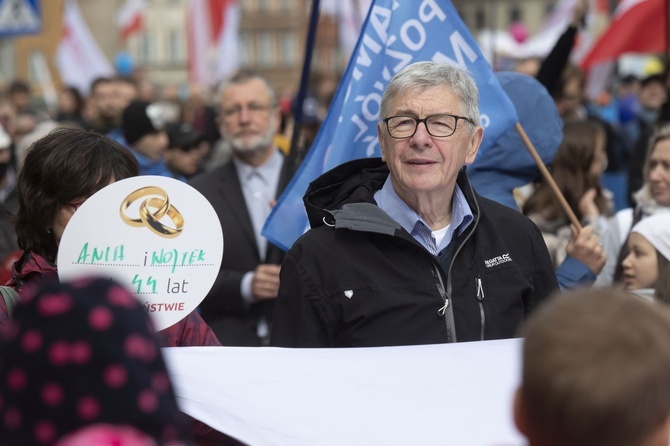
(350, 15)
(213, 40)
(79, 59)
(638, 26)
(130, 18)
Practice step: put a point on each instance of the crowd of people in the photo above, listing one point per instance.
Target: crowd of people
(402, 250)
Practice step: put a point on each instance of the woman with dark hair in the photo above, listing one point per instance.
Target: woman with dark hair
(577, 168)
(59, 173)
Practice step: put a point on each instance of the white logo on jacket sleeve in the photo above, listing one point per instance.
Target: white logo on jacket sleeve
(498, 260)
(349, 293)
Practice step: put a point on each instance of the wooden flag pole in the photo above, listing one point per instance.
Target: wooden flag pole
(547, 176)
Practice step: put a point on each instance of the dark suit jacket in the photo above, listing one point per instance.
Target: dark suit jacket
(232, 319)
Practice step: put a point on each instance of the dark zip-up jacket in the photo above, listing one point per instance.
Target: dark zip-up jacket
(357, 278)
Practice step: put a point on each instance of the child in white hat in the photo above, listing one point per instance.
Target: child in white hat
(646, 268)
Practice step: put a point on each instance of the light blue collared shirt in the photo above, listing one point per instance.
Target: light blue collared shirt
(259, 186)
(461, 214)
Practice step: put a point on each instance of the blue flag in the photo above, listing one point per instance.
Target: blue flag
(394, 35)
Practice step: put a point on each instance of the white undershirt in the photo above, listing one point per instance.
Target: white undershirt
(440, 234)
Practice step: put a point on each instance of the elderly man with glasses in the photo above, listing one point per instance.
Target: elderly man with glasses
(402, 250)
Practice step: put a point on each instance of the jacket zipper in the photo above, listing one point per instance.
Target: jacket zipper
(480, 299)
(446, 309)
(458, 250)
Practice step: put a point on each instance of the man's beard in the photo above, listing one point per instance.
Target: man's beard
(257, 144)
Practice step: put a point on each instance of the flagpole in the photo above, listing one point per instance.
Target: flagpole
(294, 156)
(547, 176)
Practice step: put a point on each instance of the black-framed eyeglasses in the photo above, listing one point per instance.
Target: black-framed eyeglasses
(440, 126)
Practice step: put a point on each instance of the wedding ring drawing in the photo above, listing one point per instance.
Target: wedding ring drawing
(156, 226)
(152, 210)
(139, 193)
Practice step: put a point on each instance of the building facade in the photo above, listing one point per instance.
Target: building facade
(272, 36)
(500, 14)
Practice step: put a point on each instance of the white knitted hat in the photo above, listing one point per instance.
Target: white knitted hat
(656, 229)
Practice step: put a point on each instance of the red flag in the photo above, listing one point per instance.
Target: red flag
(639, 26)
(130, 18)
(212, 40)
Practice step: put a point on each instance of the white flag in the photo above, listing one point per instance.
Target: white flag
(130, 18)
(228, 58)
(350, 15)
(79, 59)
(213, 36)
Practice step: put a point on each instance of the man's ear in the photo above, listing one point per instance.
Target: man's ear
(520, 419)
(474, 142)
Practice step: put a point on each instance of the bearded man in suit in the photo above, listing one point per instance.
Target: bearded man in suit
(239, 306)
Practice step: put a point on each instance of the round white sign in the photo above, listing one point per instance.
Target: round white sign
(157, 236)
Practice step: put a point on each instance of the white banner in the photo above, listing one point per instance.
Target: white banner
(447, 394)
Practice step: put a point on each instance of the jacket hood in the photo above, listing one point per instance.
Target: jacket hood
(343, 197)
(351, 182)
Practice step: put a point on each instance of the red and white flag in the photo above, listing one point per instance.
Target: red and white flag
(350, 15)
(638, 26)
(79, 58)
(130, 18)
(213, 40)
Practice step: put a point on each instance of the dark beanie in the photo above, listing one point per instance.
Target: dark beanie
(141, 118)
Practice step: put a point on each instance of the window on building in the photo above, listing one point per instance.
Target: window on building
(480, 18)
(285, 5)
(266, 53)
(176, 53)
(247, 5)
(146, 51)
(288, 49)
(246, 49)
(515, 14)
(263, 5)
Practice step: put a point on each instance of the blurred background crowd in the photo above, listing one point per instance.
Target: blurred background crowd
(82, 63)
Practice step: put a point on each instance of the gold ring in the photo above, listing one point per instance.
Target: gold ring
(149, 219)
(143, 192)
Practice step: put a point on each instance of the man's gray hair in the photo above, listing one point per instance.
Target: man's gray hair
(422, 75)
(245, 75)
